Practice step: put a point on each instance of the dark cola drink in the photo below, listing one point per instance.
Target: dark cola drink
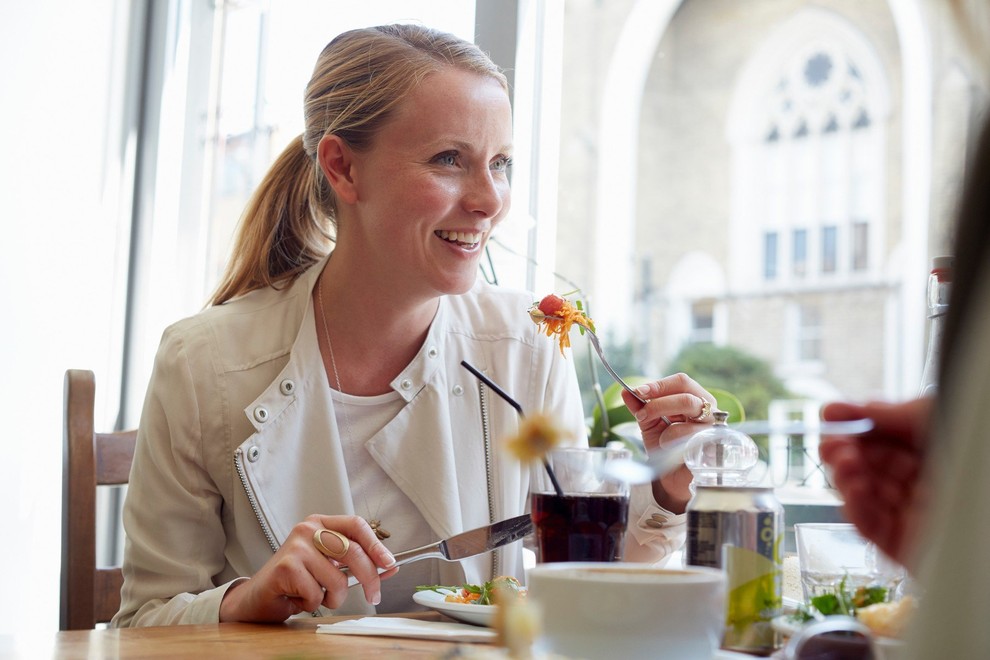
(586, 527)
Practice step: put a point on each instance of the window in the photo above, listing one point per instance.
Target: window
(829, 249)
(770, 255)
(806, 147)
(780, 160)
(860, 246)
(703, 322)
(799, 253)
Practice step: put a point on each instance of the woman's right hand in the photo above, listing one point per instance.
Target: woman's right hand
(299, 578)
(880, 473)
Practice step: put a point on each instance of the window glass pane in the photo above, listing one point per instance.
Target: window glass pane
(770, 255)
(860, 246)
(799, 252)
(829, 248)
(702, 322)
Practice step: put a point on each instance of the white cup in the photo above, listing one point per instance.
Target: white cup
(625, 610)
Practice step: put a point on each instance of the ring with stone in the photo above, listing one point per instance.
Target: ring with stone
(345, 543)
(706, 411)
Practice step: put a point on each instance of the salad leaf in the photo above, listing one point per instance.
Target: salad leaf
(842, 601)
(486, 593)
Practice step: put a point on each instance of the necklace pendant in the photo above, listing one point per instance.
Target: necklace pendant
(376, 527)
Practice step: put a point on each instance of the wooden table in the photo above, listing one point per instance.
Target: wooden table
(296, 638)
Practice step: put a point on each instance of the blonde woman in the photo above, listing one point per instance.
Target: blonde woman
(318, 408)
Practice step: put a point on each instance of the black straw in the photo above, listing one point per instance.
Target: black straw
(495, 388)
(515, 404)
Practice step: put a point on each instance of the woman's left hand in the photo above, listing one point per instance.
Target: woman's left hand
(687, 406)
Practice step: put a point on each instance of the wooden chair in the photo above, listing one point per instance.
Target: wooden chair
(89, 595)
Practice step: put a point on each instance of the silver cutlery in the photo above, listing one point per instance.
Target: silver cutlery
(593, 338)
(463, 545)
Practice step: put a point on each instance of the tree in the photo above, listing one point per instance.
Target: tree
(750, 378)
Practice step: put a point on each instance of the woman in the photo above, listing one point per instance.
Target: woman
(324, 391)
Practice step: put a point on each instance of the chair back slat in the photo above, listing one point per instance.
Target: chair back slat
(88, 595)
(114, 455)
(106, 593)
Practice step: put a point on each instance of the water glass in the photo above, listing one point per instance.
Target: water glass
(588, 522)
(834, 555)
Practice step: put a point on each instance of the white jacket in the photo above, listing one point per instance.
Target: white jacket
(238, 442)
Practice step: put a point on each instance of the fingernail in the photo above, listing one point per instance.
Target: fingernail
(641, 414)
(388, 559)
(377, 598)
(643, 390)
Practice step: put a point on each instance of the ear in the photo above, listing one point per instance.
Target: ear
(337, 160)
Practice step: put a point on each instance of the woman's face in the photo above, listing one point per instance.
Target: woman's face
(433, 185)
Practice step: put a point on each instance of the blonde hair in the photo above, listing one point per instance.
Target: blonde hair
(359, 80)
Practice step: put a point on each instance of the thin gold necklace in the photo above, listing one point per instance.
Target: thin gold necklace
(374, 523)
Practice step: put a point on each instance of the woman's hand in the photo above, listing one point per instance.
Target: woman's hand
(682, 401)
(299, 578)
(879, 473)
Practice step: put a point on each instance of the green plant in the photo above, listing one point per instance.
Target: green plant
(748, 377)
(622, 425)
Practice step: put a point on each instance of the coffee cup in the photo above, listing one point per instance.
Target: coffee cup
(627, 610)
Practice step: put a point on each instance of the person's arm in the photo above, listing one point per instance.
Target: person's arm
(681, 400)
(175, 539)
(657, 522)
(879, 473)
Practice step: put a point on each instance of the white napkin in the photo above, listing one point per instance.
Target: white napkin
(380, 626)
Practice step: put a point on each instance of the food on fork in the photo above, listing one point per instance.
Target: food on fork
(555, 315)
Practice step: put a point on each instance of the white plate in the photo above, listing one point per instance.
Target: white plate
(479, 615)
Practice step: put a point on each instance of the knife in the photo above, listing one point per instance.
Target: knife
(463, 545)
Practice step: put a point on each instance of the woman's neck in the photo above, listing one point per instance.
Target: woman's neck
(373, 334)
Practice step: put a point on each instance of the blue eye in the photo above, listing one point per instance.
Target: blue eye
(446, 158)
(501, 164)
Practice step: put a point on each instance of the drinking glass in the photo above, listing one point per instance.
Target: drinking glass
(834, 555)
(588, 522)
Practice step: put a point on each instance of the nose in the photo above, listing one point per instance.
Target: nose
(486, 195)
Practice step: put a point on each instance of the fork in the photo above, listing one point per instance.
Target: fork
(593, 338)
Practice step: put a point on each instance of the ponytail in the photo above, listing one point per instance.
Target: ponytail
(283, 231)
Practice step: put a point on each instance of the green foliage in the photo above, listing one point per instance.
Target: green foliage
(622, 424)
(748, 377)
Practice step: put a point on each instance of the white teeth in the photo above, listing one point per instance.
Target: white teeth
(460, 236)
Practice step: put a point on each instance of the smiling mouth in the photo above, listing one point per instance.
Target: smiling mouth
(462, 238)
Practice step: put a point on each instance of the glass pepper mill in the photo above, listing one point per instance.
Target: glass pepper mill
(720, 456)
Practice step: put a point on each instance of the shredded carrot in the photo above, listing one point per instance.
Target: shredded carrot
(463, 596)
(569, 316)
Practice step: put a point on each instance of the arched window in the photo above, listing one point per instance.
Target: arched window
(807, 135)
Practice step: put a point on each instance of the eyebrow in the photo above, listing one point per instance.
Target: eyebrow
(460, 145)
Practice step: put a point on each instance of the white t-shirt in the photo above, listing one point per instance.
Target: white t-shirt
(376, 496)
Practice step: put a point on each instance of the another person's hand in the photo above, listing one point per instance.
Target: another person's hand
(879, 473)
(300, 578)
(687, 406)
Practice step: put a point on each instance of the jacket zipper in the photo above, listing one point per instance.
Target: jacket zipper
(239, 463)
(486, 432)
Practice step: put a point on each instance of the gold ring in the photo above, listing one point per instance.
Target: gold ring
(706, 411)
(345, 543)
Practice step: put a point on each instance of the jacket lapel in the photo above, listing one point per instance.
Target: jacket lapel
(416, 451)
